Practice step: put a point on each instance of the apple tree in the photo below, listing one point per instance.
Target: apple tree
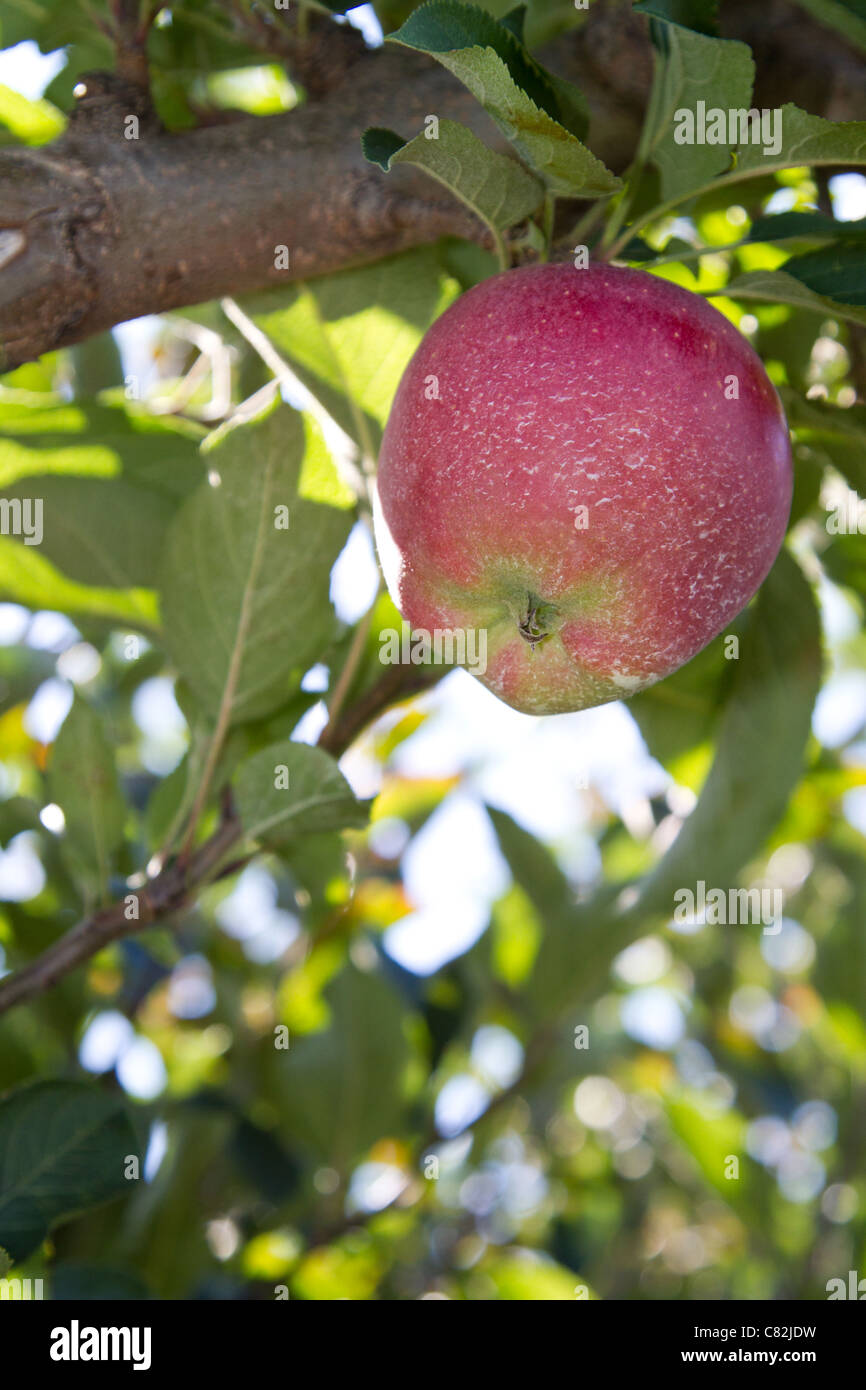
(225, 228)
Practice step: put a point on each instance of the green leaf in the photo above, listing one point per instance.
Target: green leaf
(349, 336)
(495, 187)
(839, 434)
(810, 226)
(536, 872)
(836, 272)
(100, 441)
(778, 287)
(689, 68)
(31, 122)
(17, 814)
(166, 1238)
(121, 552)
(348, 1269)
(808, 141)
(515, 933)
(263, 1162)
(83, 781)
(526, 105)
(22, 671)
(680, 712)
(527, 1276)
(164, 802)
(92, 461)
(62, 1150)
(447, 27)
(567, 167)
(319, 864)
(379, 146)
(29, 578)
(467, 262)
(320, 479)
(847, 19)
(96, 366)
(841, 975)
(808, 476)
(640, 251)
(700, 15)
(712, 1138)
(245, 602)
(515, 21)
(763, 731)
(568, 959)
(50, 23)
(290, 789)
(344, 1087)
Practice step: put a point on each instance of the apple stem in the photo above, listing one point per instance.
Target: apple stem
(502, 253)
(548, 215)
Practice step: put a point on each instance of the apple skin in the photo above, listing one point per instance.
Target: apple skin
(560, 389)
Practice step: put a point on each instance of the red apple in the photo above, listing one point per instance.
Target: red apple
(592, 467)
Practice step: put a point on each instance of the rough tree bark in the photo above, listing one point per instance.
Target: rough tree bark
(97, 228)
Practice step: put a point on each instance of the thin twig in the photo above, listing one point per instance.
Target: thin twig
(163, 897)
(398, 683)
(131, 26)
(353, 659)
(343, 448)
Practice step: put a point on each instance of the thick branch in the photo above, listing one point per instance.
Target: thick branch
(102, 226)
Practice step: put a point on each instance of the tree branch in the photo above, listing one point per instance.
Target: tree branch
(131, 26)
(396, 684)
(161, 898)
(117, 219)
(316, 51)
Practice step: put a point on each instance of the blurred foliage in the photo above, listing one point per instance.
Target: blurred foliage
(254, 1098)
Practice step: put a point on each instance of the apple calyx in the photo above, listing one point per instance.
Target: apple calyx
(538, 621)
